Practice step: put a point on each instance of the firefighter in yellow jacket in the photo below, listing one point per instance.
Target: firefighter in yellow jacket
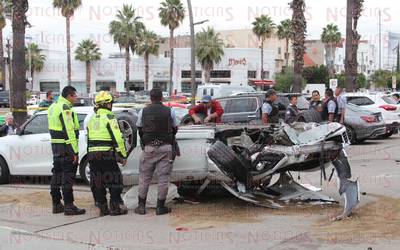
(64, 132)
(106, 148)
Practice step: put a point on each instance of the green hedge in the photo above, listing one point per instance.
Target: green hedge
(2, 118)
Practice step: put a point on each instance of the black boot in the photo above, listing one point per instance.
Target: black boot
(161, 208)
(118, 209)
(58, 207)
(71, 209)
(141, 208)
(103, 209)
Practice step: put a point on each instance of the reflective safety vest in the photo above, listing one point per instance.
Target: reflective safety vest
(104, 134)
(63, 124)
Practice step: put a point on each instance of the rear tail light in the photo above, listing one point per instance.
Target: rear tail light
(388, 107)
(369, 119)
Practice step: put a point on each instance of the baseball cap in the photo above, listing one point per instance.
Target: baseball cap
(206, 99)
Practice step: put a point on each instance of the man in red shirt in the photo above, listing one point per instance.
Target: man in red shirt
(211, 109)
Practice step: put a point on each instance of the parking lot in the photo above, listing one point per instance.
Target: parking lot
(218, 222)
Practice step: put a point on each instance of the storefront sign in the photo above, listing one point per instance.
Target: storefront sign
(234, 62)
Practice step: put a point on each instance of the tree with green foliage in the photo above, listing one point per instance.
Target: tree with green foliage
(263, 28)
(88, 52)
(209, 50)
(361, 81)
(285, 31)
(382, 79)
(171, 15)
(284, 81)
(149, 45)
(68, 8)
(316, 74)
(127, 31)
(331, 38)
(37, 59)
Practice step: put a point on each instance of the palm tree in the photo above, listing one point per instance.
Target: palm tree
(331, 37)
(18, 84)
(209, 50)
(88, 52)
(263, 27)
(149, 45)
(127, 30)
(5, 9)
(299, 25)
(68, 8)
(354, 9)
(285, 32)
(34, 58)
(171, 14)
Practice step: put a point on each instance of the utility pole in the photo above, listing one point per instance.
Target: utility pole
(380, 41)
(8, 46)
(398, 58)
(192, 56)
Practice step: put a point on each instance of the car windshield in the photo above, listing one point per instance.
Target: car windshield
(389, 100)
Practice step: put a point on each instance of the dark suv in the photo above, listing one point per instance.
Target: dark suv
(246, 108)
(4, 99)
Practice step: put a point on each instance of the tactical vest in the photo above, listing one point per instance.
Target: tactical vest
(325, 113)
(291, 114)
(273, 117)
(157, 124)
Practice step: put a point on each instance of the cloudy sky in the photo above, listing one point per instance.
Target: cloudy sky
(92, 19)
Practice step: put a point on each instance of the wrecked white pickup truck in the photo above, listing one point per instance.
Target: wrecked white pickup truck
(254, 163)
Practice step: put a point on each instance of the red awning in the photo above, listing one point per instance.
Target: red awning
(263, 82)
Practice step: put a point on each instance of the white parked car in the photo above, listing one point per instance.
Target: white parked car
(29, 152)
(379, 103)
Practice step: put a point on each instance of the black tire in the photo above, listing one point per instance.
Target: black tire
(351, 134)
(129, 131)
(188, 120)
(4, 172)
(225, 158)
(84, 170)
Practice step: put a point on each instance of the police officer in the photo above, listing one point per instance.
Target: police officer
(106, 148)
(291, 111)
(269, 110)
(64, 132)
(157, 128)
(329, 107)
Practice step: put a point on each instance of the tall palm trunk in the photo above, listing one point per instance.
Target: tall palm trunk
(262, 60)
(68, 30)
(88, 76)
(349, 41)
(207, 73)
(18, 86)
(299, 28)
(171, 62)
(146, 71)
(2, 62)
(287, 53)
(127, 62)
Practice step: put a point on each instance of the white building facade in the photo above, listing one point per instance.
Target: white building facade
(238, 66)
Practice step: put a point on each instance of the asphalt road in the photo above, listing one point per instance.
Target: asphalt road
(219, 223)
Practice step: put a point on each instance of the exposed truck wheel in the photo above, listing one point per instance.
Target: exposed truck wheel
(188, 120)
(225, 158)
(129, 131)
(4, 172)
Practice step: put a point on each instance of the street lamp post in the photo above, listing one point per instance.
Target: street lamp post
(192, 52)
